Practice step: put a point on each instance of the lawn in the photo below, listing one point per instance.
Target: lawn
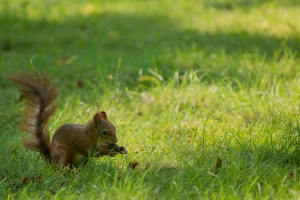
(205, 95)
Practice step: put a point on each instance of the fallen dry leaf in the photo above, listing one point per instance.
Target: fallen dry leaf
(28, 180)
(133, 164)
(7, 45)
(83, 27)
(291, 175)
(79, 84)
(218, 165)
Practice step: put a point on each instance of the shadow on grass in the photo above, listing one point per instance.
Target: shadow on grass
(247, 5)
(79, 45)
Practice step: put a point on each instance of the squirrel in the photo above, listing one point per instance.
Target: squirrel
(72, 143)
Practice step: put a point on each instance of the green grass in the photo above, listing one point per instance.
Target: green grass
(185, 82)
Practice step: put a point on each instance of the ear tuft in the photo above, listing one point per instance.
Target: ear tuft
(97, 118)
(103, 115)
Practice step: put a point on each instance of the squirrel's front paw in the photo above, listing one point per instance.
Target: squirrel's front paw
(116, 148)
(123, 150)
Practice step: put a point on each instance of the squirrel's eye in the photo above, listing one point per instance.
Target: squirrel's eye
(104, 132)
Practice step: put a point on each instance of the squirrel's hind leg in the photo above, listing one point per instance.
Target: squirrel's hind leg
(61, 156)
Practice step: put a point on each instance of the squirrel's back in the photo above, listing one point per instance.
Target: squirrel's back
(39, 94)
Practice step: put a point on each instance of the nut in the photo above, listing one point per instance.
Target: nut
(114, 147)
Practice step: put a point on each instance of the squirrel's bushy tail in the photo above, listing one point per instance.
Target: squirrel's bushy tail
(39, 94)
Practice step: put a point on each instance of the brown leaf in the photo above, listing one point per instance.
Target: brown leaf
(228, 6)
(28, 180)
(218, 165)
(133, 164)
(79, 84)
(83, 27)
(7, 45)
(291, 175)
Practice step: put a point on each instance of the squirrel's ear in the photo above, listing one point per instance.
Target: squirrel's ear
(97, 119)
(103, 115)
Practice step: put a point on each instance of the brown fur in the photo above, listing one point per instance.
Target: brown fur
(71, 143)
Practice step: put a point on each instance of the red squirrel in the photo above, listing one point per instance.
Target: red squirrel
(72, 143)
